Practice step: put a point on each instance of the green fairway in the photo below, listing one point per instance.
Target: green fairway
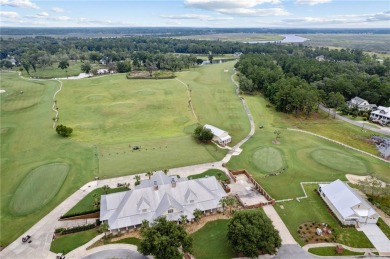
(109, 115)
(306, 157)
(38, 188)
(314, 209)
(67, 243)
(268, 159)
(339, 161)
(30, 149)
(211, 241)
(220, 175)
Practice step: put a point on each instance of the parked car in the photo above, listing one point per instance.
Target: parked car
(26, 238)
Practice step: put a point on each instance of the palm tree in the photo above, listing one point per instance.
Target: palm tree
(149, 174)
(183, 219)
(231, 202)
(197, 215)
(106, 188)
(137, 179)
(222, 202)
(96, 200)
(104, 228)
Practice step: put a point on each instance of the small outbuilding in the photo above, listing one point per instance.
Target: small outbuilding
(220, 136)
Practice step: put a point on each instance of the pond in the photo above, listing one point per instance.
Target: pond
(288, 38)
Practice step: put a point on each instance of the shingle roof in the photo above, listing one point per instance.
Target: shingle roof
(145, 203)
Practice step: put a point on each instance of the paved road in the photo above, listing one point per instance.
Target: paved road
(383, 130)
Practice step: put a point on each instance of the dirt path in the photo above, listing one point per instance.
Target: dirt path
(189, 98)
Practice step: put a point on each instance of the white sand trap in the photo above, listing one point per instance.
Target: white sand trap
(354, 179)
(226, 70)
(2, 91)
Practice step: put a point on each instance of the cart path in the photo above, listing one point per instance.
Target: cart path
(189, 98)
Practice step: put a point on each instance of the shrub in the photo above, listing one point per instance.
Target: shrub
(78, 229)
(300, 227)
(59, 230)
(79, 213)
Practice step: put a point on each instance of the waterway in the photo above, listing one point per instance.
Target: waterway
(288, 38)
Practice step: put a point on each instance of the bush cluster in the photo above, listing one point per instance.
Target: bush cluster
(79, 213)
(64, 231)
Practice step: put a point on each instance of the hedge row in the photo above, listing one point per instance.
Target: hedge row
(64, 231)
(141, 77)
(79, 213)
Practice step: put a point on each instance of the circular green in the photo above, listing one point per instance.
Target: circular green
(268, 159)
(38, 188)
(339, 161)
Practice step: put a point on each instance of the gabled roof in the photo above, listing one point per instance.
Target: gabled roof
(344, 199)
(145, 202)
(383, 111)
(357, 100)
(216, 131)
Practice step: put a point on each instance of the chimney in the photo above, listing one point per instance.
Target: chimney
(155, 186)
(173, 183)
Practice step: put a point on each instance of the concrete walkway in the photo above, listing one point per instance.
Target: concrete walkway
(287, 238)
(377, 238)
(363, 250)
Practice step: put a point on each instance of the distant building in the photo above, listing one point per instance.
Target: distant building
(162, 195)
(320, 58)
(381, 115)
(220, 136)
(102, 71)
(348, 206)
(361, 104)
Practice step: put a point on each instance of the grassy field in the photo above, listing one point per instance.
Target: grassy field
(74, 69)
(67, 243)
(29, 149)
(211, 241)
(313, 209)
(241, 37)
(108, 114)
(130, 240)
(211, 172)
(384, 227)
(331, 251)
(86, 204)
(367, 42)
(114, 112)
(307, 158)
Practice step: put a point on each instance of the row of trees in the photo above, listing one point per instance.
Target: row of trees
(296, 83)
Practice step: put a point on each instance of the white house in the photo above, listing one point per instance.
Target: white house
(162, 195)
(381, 115)
(360, 104)
(102, 71)
(220, 136)
(348, 206)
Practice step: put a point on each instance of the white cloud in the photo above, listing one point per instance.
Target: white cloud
(312, 2)
(201, 17)
(19, 3)
(61, 18)
(255, 12)
(227, 4)
(42, 15)
(86, 21)
(11, 15)
(57, 10)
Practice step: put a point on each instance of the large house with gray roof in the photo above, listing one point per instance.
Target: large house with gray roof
(348, 206)
(381, 115)
(161, 195)
(361, 104)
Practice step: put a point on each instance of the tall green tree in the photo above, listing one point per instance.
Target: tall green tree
(164, 240)
(86, 67)
(250, 232)
(64, 64)
(202, 134)
(63, 130)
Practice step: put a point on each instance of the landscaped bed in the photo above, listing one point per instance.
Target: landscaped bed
(220, 175)
(313, 232)
(331, 251)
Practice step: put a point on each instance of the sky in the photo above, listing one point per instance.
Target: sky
(196, 13)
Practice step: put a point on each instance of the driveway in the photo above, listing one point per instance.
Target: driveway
(377, 238)
(287, 238)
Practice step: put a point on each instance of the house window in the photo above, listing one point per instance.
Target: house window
(191, 201)
(144, 210)
(170, 211)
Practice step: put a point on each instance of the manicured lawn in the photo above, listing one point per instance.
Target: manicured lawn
(86, 204)
(67, 243)
(211, 242)
(107, 114)
(74, 69)
(313, 209)
(30, 153)
(331, 251)
(130, 240)
(268, 159)
(211, 172)
(28, 197)
(306, 157)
